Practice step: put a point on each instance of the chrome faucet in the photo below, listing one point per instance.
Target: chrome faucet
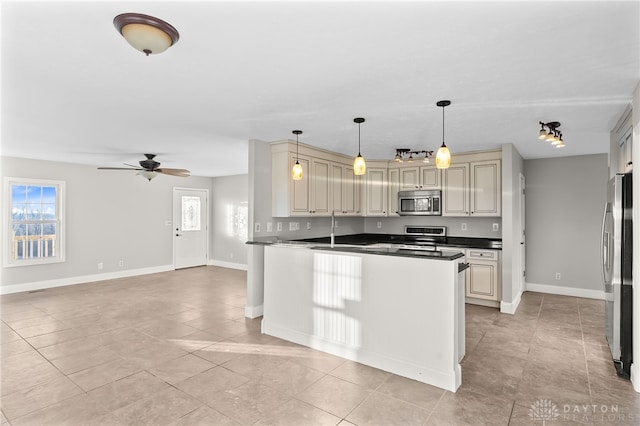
(333, 227)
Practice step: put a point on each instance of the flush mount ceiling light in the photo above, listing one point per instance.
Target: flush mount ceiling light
(549, 132)
(296, 171)
(402, 152)
(145, 33)
(443, 157)
(359, 166)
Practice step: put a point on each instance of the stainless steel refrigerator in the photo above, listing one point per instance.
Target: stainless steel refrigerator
(617, 257)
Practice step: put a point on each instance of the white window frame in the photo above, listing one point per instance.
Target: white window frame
(8, 260)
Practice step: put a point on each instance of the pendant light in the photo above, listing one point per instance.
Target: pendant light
(359, 166)
(443, 157)
(296, 171)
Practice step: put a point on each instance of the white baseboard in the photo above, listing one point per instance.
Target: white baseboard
(510, 308)
(566, 291)
(253, 311)
(230, 265)
(41, 285)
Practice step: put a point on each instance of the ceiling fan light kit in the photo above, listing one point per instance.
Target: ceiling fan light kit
(146, 33)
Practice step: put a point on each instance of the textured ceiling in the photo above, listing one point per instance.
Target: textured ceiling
(73, 90)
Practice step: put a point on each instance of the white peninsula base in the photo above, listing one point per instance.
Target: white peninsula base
(404, 315)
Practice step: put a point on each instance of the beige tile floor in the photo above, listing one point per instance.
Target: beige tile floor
(175, 348)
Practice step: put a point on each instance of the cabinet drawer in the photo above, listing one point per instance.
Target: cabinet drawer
(482, 254)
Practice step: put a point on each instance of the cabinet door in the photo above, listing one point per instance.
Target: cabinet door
(320, 187)
(482, 280)
(455, 192)
(376, 192)
(409, 178)
(394, 187)
(300, 189)
(486, 192)
(429, 177)
(350, 192)
(337, 188)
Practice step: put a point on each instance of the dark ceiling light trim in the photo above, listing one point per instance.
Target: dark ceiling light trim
(146, 33)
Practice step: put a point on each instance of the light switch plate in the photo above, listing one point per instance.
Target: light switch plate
(256, 227)
(279, 226)
(496, 226)
(269, 227)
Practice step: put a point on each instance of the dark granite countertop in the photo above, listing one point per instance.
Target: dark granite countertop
(379, 244)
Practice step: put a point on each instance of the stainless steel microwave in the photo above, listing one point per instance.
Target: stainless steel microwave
(420, 202)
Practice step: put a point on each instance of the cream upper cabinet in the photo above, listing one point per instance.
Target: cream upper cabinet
(455, 190)
(320, 181)
(472, 189)
(376, 191)
(486, 188)
(419, 177)
(345, 193)
(300, 189)
(328, 183)
(394, 187)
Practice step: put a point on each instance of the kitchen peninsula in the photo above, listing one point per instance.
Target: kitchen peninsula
(395, 309)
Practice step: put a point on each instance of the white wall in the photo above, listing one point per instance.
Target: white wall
(512, 168)
(229, 221)
(110, 216)
(565, 200)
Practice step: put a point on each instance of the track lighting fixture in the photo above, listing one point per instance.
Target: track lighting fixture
(296, 171)
(549, 132)
(402, 152)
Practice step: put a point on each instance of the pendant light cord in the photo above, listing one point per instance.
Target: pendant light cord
(358, 138)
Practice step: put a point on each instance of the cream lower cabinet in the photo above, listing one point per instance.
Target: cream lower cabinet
(484, 277)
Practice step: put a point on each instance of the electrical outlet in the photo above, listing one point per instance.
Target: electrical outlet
(379, 224)
(496, 226)
(557, 275)
(279, 226)
(463, 227)
(256, 227)
(292, 226)
(100, 266)
(230, 255)
(269, 227)
(121, 263)
(308, 225)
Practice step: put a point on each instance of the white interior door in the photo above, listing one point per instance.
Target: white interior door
(190, 219)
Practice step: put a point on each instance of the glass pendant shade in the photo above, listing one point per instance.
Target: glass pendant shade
(549, 137)
(443, 157)
(542, 134)
(296, 171)
(359, 166)
(560, 144)
(147, 174)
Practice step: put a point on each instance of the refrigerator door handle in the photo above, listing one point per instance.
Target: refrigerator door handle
(604, 249)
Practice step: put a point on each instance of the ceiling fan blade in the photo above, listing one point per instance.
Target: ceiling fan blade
(174, 172)
(118, 168)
